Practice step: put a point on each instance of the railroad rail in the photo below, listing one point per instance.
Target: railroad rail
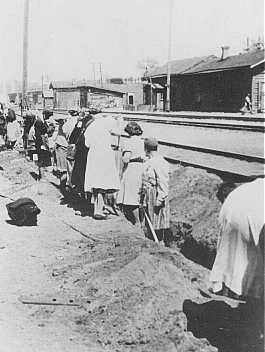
(228, 165)
(204, 124)
(247, 124)
(209, 116)
(202, 116)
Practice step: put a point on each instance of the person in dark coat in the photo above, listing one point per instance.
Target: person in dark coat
(80, 158)
(41, 143)
(11, 115)
(2, 128)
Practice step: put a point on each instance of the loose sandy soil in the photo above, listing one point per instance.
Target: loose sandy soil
(131, 294)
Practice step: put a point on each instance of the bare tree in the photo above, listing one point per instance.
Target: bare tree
(146, 65)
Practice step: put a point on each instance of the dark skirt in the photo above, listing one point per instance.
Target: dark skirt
(79, 169)
(44, 158)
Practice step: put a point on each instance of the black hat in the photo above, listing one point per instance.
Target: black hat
(133, 129)
(73, 112)
(47, 113)
(94, 111)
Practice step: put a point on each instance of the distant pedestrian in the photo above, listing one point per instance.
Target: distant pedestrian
(247, 105)
(238, 270)
(155, 185)
(133, 156)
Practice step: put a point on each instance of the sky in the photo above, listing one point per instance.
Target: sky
(67, 36)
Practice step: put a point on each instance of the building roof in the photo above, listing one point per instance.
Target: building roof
(250, 59)
(180, 66)
(62, 84)
(47, 93)
(110, 87)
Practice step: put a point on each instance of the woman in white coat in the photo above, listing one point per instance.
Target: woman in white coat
(101, 174)
(238, 270)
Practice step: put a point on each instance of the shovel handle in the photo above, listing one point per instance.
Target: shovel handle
(151, 227)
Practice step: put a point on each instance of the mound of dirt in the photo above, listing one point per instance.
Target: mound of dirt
(194, 206)
(139, 308)
(16, 171)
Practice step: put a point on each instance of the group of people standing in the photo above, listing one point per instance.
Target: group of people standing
(107, 163)
(94, 161)
(10, 127)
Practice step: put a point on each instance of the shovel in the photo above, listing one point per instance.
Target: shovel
(150, 226)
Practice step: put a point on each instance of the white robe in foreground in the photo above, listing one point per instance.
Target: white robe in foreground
(239, 261)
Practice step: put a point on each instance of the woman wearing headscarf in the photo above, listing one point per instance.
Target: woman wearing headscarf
(133, 156)
(101, 174)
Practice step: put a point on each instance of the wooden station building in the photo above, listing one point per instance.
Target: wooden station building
(73, 95)
(212, 84)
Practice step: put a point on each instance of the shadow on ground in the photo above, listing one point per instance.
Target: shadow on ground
(229, 329)
(27, 224)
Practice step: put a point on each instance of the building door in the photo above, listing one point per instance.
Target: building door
(159, 101)
(130, 99)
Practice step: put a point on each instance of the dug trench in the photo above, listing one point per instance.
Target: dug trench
(132, 294)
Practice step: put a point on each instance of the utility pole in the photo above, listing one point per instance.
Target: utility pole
(169, 55)
(94, 72)
(42, 90)
(94, 66)
(100, 71)
(25, 55)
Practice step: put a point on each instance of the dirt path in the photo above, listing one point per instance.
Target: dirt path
(25, 255)
(131, 293)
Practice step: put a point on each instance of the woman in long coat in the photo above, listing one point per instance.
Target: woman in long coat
(133, 156)
(238, 269)
(101, 174)
(80, 157)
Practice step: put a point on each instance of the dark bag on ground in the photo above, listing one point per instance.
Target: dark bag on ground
(23, 211)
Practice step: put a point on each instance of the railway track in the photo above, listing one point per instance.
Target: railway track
(241, 123)
(214, 122)
(204, 122)
(228, 165)
(212, 116)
